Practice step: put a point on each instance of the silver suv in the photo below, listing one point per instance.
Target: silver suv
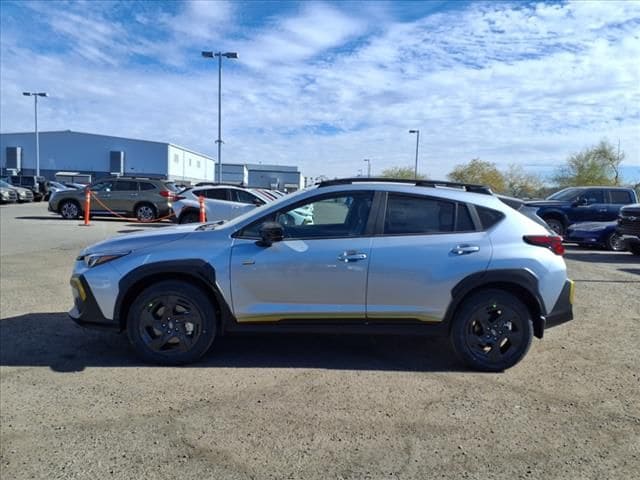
(378, 257)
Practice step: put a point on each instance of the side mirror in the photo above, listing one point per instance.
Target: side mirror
(271, 232)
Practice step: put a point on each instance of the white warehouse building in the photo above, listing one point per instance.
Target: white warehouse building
(102, 155)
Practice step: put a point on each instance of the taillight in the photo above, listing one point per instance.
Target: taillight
(167, 194)
(552, 242)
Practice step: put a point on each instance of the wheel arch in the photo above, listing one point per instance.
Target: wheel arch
(194, 271)
(521, 283)
(556, 215)
(187, 210)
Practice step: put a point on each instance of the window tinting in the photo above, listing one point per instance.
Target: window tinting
(214, 193)
(464, 222)
(125, 186)
(408, 215)
(102, 187)
(488, 217)
(340, 215)
(594, 196)
(147, 186)
(620, 196)
(242, 197)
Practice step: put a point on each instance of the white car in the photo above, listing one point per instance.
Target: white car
(224, 202)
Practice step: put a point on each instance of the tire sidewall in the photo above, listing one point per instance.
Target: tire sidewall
(464, 315)
(198, 298)
(610, 243)
(187, 216)
(550, 221)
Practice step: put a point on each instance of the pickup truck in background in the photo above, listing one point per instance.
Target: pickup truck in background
(629, 227)
(583, 204)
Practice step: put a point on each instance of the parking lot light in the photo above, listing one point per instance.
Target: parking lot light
(417, 132)
(35, 96)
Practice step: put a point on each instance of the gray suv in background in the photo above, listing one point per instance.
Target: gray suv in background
(375, 257)
(144, 198)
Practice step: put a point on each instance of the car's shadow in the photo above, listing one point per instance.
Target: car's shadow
(129, 221)
(601, 257)
(53, 340)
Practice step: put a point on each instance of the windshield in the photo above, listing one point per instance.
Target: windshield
(4, 184)
(566, 194)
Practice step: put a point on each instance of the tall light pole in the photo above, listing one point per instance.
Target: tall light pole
(417, 132)
(35, 96)
(219, 141)
(368, 167)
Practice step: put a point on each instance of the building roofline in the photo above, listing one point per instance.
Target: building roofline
(111, 136)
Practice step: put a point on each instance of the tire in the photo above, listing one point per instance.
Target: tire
(145, 212)
(69, 210)
(184, 341)
(492, 331)
(615, 243)
(555, 225)
(633, 246)
(190, 217)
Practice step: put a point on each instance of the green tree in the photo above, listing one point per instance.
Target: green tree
(597, 165)
(519, 183)
(480, 172)
(407, 173)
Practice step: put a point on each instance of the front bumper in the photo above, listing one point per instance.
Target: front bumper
(85, 311)
(563, 310)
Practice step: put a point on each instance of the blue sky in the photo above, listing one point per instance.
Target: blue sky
(324, 85)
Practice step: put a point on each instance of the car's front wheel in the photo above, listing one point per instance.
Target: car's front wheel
(616, 243)
(69, 210)
(171, 323)
(492, 330)
(555, 225)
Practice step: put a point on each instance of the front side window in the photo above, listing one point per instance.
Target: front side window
(412, 215)
(593, 196)
(330, 216)
(102, 187)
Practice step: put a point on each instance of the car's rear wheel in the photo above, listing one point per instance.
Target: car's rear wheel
(190, 217)
(616, 243)
(145, 212)
(555, 225)
(69, 209)
(171, 323)
(492, 330)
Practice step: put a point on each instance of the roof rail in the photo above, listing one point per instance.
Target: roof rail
(469, 187)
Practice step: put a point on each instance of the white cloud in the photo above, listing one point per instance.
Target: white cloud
(324, 88)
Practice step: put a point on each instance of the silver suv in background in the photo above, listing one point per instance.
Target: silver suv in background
(378, 257)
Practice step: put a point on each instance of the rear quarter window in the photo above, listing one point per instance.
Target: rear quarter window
(488, 217)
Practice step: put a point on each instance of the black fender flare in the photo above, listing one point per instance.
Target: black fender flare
(555, 213)
(520, 282)
(195, 270)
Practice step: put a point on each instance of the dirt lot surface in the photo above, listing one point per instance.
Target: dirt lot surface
(79, 404)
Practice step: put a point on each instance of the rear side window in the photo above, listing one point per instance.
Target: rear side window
(488, 217)
(620, 197)
(147, 186)
(125, 186)
(408, 215)
(214, 193)
(464, 222)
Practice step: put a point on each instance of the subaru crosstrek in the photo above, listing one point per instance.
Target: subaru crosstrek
(378, 257)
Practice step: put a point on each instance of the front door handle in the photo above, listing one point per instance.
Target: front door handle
(465, 249)
(351, 256)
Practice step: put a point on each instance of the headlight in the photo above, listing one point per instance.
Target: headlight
(94, 259)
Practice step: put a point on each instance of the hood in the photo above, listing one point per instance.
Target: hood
(20, 190)
(136, 241)
(631, 210)
(547, 203)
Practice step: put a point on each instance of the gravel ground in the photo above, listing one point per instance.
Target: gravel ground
(79, 404)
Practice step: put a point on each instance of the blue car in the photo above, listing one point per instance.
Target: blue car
(596, 234)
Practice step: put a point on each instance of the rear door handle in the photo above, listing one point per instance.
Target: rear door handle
(352, 256)
(465, 249)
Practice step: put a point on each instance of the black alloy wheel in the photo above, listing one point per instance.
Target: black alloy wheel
(492, 331)
(171, 323)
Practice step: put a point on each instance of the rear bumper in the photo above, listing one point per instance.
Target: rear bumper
(563, 310)
(85, 311)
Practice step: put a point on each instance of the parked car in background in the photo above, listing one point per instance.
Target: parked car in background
(144, 198)
(37, 185)
(629, 227)
(53, 187)
(596, 234)
(23, 195)
(582, 204)
(74, 186)
(378, 257)
(7, 193)
(222, 202)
